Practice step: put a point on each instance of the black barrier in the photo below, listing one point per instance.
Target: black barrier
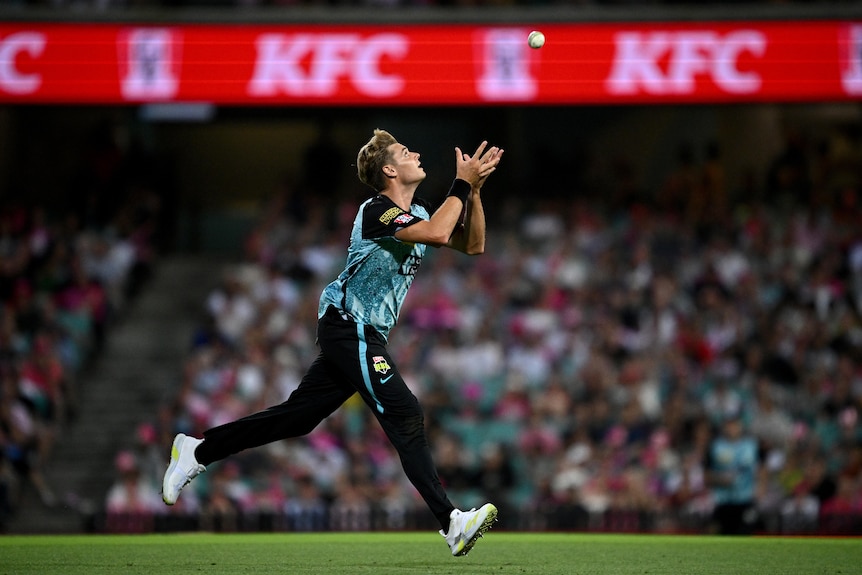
(571, 518)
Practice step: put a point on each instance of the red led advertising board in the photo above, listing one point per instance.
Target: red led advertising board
(684, 62)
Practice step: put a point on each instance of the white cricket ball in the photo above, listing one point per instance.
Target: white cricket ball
(536, 39)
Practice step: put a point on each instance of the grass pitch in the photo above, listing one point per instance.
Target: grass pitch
(500, 553)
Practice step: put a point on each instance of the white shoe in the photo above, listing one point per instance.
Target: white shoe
(182, 468)
(466, 527)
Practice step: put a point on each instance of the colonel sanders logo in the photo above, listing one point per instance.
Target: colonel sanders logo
(850, 45)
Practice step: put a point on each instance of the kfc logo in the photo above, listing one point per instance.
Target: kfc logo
(667, 63)
(13, 80)
(149, 63)
(313, 64)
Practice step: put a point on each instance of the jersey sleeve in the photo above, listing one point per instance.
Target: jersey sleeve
(382, 219)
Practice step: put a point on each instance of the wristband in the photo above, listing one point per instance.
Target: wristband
(461, 190)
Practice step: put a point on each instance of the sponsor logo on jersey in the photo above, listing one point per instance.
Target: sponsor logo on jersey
(410, 264)
(403, 219)
(390, 215)
(380, 364)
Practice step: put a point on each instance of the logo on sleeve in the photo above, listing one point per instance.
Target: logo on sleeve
(391, 214)
(403, 219)
(380, 364)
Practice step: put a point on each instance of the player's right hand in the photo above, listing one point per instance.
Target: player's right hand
(476, 168)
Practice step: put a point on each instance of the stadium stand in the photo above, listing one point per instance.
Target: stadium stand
(578, 373)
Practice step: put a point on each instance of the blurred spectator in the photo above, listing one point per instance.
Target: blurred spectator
(43, 382)
(495, 477)
(842, 513)
(131, 503)
(799, 512)
(732, 468)
(453, 464)
(306, 510)
(351, 508)
(227, 496)
(24, 442)
(770, 425)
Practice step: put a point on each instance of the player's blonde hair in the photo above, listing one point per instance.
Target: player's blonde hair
(372, 157)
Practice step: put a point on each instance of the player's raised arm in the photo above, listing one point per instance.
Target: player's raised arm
(470, 174)
(469, 236)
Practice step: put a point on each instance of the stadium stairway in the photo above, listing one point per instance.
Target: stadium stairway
(136, 371)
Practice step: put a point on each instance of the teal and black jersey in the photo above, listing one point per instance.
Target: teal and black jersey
(380, 268)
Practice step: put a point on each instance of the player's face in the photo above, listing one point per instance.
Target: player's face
(406, 163)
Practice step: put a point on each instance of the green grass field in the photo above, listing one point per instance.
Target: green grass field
(501, 553)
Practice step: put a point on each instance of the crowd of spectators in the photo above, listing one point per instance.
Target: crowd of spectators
(612, 362)
(66, 274)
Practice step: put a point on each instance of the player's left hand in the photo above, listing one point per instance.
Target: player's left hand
(489, 165)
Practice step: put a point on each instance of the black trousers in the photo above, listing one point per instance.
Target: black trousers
(353, 358)
(733, 518)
